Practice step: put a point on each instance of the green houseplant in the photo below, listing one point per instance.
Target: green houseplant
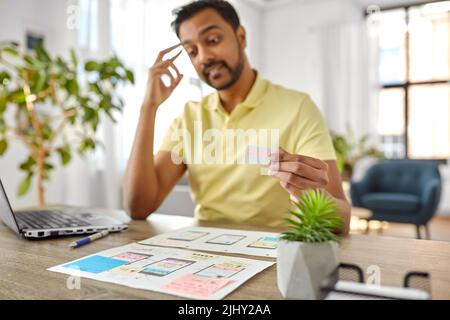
(307, 250)
(350, 149)
(54, 106)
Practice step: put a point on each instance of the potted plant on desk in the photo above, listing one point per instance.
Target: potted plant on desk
(307, 251)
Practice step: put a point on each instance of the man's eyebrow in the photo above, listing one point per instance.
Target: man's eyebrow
(202, 32)
(205, 30)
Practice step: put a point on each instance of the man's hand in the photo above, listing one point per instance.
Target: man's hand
(298, 173)
(157, 92)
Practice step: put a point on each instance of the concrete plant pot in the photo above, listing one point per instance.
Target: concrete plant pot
(301, 267)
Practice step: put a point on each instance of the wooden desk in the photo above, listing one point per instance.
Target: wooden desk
(23, 273)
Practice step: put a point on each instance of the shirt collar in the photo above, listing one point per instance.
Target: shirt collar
(253, 99)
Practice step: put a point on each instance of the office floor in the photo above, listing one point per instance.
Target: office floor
(439, 228)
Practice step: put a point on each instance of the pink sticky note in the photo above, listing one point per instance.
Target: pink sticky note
(130, 256)
(195, 285)
(258, 155)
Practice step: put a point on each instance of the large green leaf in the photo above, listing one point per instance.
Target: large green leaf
(87, 144)
(47, 132)
(3, 103)
(72, 86)
(73, 56)
(62, 65)
(48, 167)
(3, 127)
(89, 114)
(65, 155)
(5, 78)
(11, 51)
(94, 121)
(113, 63)
(92, 66)
(95, 88)
(24, 186)
(42, 54)
(41, 82)
(17, 96)
(130, 76)
(28, 164)
(34, 62)
(3, 147)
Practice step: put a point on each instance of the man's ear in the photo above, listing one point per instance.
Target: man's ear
(242, 36)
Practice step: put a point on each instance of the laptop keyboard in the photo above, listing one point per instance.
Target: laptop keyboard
(48, 220)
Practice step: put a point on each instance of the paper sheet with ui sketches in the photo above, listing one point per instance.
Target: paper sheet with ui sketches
(255, 243)
(189, 274)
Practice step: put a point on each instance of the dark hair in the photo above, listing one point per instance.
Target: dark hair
(224, 8)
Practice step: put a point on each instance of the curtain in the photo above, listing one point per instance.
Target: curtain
(349, 77)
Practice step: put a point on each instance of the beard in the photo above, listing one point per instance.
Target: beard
(235, 73)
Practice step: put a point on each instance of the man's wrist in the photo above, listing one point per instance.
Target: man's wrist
(148, 110)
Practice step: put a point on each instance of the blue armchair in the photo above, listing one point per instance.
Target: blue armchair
(403, 191)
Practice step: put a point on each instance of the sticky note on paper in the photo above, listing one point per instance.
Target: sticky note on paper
(268, 242)
(95, 264)
(126, 270)
(201, 256)
(258, 155)
(131, 257)
(194, 285)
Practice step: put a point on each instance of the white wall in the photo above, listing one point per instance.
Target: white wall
(252, 19)
(294, 56)
(289, 47)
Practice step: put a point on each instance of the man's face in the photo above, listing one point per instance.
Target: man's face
(215, 49)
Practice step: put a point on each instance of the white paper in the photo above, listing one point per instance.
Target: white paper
(184, 273)
(254, 243)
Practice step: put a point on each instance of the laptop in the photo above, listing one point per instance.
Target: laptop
(48, 223)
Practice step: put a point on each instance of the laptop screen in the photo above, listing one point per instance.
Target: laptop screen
(6, 213)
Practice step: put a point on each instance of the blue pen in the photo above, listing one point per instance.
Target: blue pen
(89, 239)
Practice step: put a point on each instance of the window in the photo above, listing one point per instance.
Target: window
(88, 31)
(414, 73)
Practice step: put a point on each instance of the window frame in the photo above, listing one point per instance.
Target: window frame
(408, 84)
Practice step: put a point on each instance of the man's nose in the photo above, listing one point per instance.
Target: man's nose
(205, 56)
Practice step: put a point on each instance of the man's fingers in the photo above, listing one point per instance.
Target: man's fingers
(166, 51)
(176, 69)
(283, 156)
(293, 190)
(175, 56)
(163, 66)
(165, 70)
(297, 181)
(177, 82)
(302, 170)
(172, 78)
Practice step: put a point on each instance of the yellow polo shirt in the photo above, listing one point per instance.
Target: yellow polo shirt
(235, 191)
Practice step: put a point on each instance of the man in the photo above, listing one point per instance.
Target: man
(214, 39)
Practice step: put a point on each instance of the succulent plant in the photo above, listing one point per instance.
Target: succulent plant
(315, 219)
